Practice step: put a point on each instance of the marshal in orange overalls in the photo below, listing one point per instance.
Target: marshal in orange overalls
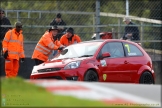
(44, 47)
(13, 43)
(69, 38)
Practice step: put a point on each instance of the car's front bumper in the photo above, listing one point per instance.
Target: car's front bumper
(70, 74)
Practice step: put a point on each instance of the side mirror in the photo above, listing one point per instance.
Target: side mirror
(106, 54)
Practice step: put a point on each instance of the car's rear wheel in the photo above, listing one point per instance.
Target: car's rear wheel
(91, 76)
(146, 78)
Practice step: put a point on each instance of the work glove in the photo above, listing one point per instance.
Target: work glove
(5, 55)
(22, 60)
(60, 48)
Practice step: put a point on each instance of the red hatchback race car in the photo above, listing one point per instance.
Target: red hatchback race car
(110, 60)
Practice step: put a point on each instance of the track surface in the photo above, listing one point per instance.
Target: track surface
(111, 93)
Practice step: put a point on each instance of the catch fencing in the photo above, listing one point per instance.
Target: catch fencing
(88, 17)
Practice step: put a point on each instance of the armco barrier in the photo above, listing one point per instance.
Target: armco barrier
(27, 66)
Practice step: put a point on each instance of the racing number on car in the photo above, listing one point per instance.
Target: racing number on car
(128, 48)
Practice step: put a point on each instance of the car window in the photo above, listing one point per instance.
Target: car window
(132, 50)
(79, 50)
(114, 48)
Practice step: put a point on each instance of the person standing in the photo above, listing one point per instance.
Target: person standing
(56, 22)
(45, 45)
(3, 21)
(13, 50)
(69, 38)
(131, 31)
(59, 21)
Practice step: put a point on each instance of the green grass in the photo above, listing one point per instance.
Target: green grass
(15, 92)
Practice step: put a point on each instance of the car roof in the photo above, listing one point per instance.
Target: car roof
(99, 40)
(108, 40)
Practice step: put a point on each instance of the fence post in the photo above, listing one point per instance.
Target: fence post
(142, 30)
(93, 23)
(6, 13)
(17, 15)
(29, 14)
(40, 14)
(113, 33)
(97, 18)
(119, 28)
(127, 7)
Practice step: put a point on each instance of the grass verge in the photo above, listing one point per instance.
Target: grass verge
(16, 92)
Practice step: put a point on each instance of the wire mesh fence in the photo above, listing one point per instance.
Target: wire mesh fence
(36, 16)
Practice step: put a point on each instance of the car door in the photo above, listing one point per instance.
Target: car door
(114, 68)
(135, 58)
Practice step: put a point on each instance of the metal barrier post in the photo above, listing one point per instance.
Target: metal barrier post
(97, 18)
(142, 31)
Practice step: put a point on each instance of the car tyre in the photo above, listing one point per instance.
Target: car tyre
(146, 78)
(91, 76)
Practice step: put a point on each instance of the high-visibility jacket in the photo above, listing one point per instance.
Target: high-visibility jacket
(45, 46)
(13, 43)
(64, 40)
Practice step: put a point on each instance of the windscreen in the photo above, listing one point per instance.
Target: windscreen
(78, 50)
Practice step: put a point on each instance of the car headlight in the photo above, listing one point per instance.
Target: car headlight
(72, 65)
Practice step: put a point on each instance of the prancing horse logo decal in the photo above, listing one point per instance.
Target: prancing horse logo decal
(104, 77)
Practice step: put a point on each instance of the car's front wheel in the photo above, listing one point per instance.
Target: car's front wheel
(91, 76)
(146, 78)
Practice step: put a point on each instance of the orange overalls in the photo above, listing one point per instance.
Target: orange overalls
(45, 46)
(64, 40)
(13, 43)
